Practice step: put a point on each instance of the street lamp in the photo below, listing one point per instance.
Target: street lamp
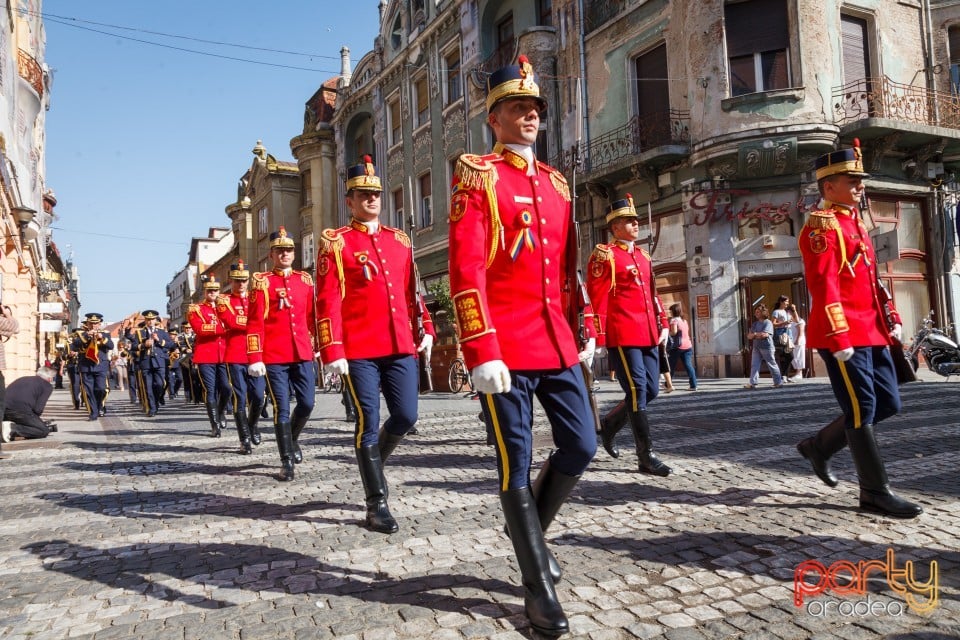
(24, 217)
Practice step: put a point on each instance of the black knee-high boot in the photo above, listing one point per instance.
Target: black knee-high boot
(540, 597)
(285, 445)
(387, 442)
(647, 461)
(820, 448)
(875, 494)
(253, 418)
(375, 489)
(610, 426)
(243, 433)
(550, 490)
(214, 423)
(296, 427)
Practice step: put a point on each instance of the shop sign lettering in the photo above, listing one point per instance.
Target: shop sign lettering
(717, 205)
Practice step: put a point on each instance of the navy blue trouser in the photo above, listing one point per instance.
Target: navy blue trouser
(563, 396)
(94, 391)
(397, 377)
(299, 380)
(638, 372)
(865, 385)
(154, 383)
(216, 386)
(246, 388)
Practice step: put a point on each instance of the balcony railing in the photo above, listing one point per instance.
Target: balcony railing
(884, 98)
(599, 12)
(30, 70)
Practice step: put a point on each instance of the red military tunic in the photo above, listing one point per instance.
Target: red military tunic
(620, 282)
(365, 294)
(232, 311)
(846, 307)
(210, 346)
(281, 326)
(508, 262)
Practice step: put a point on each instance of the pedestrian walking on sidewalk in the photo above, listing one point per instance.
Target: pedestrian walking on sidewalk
(368, 314)
(632, 324)
(680, 336)
(281, 345)
(760, 336)
(852, 325)
(510, 225)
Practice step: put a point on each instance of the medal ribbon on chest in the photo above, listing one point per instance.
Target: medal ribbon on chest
(524, 237)
(283, 301)
(368, 268)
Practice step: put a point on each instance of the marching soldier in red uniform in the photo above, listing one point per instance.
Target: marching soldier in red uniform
(208, 354)
(367, 314)
(232, 311)
(851, 324)
(631, 323)
(281, 344)
(510, 223)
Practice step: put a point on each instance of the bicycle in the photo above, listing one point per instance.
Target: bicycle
(332, 382)
(459, 377)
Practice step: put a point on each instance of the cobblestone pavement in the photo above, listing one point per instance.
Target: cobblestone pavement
(146, 528)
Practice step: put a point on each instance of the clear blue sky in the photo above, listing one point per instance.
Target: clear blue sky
(145, 144)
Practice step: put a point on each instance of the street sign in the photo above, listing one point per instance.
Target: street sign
(50, 307)
(50, 326)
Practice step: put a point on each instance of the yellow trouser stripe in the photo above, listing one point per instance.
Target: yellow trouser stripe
(273, 400)
(626, 369)
(501, 446)
(853, 394)
(361, 422)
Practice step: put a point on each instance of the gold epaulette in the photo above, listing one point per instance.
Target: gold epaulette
(194, 308)
(259, 281)
(556, 178)
(223, 300)
(644, 252)
(475, 172)
(401, 237)
(331, 240)
(824, 219)
(602, 253)
(306, 277)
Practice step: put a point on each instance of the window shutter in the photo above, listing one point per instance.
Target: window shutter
(856, 63)
(756, 26)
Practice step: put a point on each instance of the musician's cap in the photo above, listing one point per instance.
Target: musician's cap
(844, 161)
(184, 325)
(363, 176)
(93, 318)
(150, 314)
(621, 209)
(239, 271)
(279, 238)
(173, 330)
(212, 284)
(513, 81)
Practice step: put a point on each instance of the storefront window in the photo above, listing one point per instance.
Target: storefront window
(668, 236)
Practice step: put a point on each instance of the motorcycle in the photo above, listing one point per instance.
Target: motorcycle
(941, 354)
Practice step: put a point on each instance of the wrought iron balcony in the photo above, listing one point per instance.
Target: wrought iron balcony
(30, 70)
(599, 12)
(884, 98)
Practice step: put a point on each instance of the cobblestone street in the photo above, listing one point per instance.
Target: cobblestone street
(147, 528)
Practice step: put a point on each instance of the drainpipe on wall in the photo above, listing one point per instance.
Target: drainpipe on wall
(931, 57)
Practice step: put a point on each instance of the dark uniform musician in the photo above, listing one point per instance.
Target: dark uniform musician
(631, 323)
(247, 391)
(281, 344)
(510, 223)
(367, 315)
(208, 354)
(93, 364)
(850, 328)
(174, 375)
(72, 371)
(151, 345)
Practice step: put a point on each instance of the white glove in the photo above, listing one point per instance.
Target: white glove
(844, 354)
(339, 367)
(664, 334)
(897, 333)
(426, 346)
(589, 350)
(491, 377)
(257, 370)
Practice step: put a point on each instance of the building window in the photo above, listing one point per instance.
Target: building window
(545, 11)
(397, 198)
(953, 36)
(263, 221)
(454, 90)
(305, 197)
(421, 101)
(393, 120)
(307, 251)
(758, 40)
(452, 169)
(426, 208)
